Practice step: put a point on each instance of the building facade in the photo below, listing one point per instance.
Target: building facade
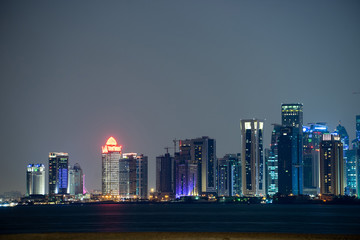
(76, 180)
(111, 155)
(253, 179)
(332, 180)
(35, 179)
(229, 175)
(165, 174)
(272, 158)
(58, 173)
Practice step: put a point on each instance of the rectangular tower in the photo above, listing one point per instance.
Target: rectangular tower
(332, 179)
(58, 173)
(35, 179)
(164, 174)
(111, 155)
(253, 179)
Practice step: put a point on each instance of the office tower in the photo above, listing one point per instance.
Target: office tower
(35, 179)
(165, 174)
(111, 154)
(290, 175)
(58, 172)
(76, 178)
(358, 127)
(229, 175)
(357, 157)
(142, 176)
(127, 173)
(133, 176)
(253, 179)
(331, 165)
(197, 154)
(350, 187)
(292, 115)
(186, 171)
(272, 161)
(312, 136)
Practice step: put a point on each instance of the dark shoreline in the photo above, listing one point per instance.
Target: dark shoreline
(177, 236)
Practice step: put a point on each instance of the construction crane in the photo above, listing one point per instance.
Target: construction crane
(167, 149)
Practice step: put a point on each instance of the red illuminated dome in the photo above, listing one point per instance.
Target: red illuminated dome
(111, 142)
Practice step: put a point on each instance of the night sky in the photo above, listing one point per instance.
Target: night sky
(74, 73)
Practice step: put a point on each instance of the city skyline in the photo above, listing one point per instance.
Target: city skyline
(75, 74)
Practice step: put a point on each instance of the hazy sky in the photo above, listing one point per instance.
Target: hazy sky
(74, 73)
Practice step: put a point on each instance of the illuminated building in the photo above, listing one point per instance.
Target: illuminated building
(133, 180)
(358, 127)
(290, 169)
(35, 179)
(271, 156)
(312, 137)
(111, 154)
(229, 175)
(186, 172)
(196, 155)
(253, 179)
(331, 165)
(58, 172)
(142, 176)
(350, 164)
(165, 174)
(292, 115)
(76, 180)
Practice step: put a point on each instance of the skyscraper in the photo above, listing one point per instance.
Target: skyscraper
(198, 155)
(358, 127)
(229, 175)
(272, 159)
(58, 172)
(292, 115)
(76, 177)
(312, 136)
(290, 169)
(35, 179)
(331, 166)
(142, 176)
(253, 179)
(133, 180)
(111, 154)
(165, 174)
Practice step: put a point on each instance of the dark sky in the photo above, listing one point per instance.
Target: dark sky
(74, 73)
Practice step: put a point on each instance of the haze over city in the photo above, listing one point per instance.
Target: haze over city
(75, 73)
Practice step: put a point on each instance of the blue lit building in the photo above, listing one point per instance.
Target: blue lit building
(271, 161)
(312, 137)
(58, 173)
(229, 175)
(290, 168)
(350, 165)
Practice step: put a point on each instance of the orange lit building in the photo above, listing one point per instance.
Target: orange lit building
(111, 155)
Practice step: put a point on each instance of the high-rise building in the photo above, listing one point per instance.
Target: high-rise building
(350, 165)
(312, 136)
(292, 115)
(142, 176)
(290, 169)
(58, 173)
(197, 154)
(358, 127)
(253, 179)
(271, 156)
(127, 173)
(76, 177)
(186, 171)
(133, 180)
(165, 174)
(331, 166)
(229, 175)
(111, 155)
(35, 179)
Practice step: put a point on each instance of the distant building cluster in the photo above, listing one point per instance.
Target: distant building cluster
(301, 160)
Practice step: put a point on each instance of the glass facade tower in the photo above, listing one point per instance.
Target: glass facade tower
(58, 173)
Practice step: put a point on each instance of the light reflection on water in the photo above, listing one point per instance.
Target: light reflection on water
(182, 218)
